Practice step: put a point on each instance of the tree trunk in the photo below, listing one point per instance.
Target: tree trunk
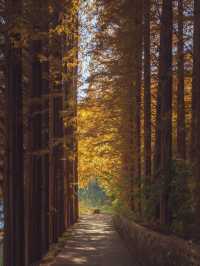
(196, 111)
(14, 194)
(147, 92)
(181, 133)
(137, 89)
(165, 86)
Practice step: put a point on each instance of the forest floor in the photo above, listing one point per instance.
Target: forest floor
(94, 242)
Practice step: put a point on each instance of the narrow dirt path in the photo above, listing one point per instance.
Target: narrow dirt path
(94, 243)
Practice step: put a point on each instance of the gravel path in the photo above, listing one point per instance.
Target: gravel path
(94, 243)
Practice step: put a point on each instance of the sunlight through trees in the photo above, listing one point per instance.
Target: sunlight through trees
(104, 94)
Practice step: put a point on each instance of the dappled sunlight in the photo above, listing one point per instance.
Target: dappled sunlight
(92, 241)
(86, 248)
(73, 257)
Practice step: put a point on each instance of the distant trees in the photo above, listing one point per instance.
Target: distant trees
(93, 195)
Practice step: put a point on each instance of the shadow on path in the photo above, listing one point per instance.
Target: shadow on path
(94, 243)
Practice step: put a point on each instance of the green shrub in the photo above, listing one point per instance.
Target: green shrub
(180, 200)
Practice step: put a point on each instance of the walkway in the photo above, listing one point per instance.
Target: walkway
(94, 243)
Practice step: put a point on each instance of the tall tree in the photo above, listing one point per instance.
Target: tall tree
(14, 203)
(147, 90)
(165, 86)
(70, 105)
(196, 110)
(37, 174)
(157, 145)
(138, 15)
(181, 133)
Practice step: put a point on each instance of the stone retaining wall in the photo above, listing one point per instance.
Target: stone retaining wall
(150, 248)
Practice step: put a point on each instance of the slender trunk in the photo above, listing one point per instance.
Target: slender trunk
(196, 111)
(14, 198)
(195, 82)
(75, 123)
(147, 91)
(157, 148)
(56, 130)
(137, 91)
(70, 134)
(181, 133)
(165, 87)
(38, 174)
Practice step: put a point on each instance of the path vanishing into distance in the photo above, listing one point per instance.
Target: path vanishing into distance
(94, 242)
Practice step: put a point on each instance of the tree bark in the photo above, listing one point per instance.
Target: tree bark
(137, 90)
(196, 111)
(147, 91)
(165, 86)
(181, 132)
(14, 194)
